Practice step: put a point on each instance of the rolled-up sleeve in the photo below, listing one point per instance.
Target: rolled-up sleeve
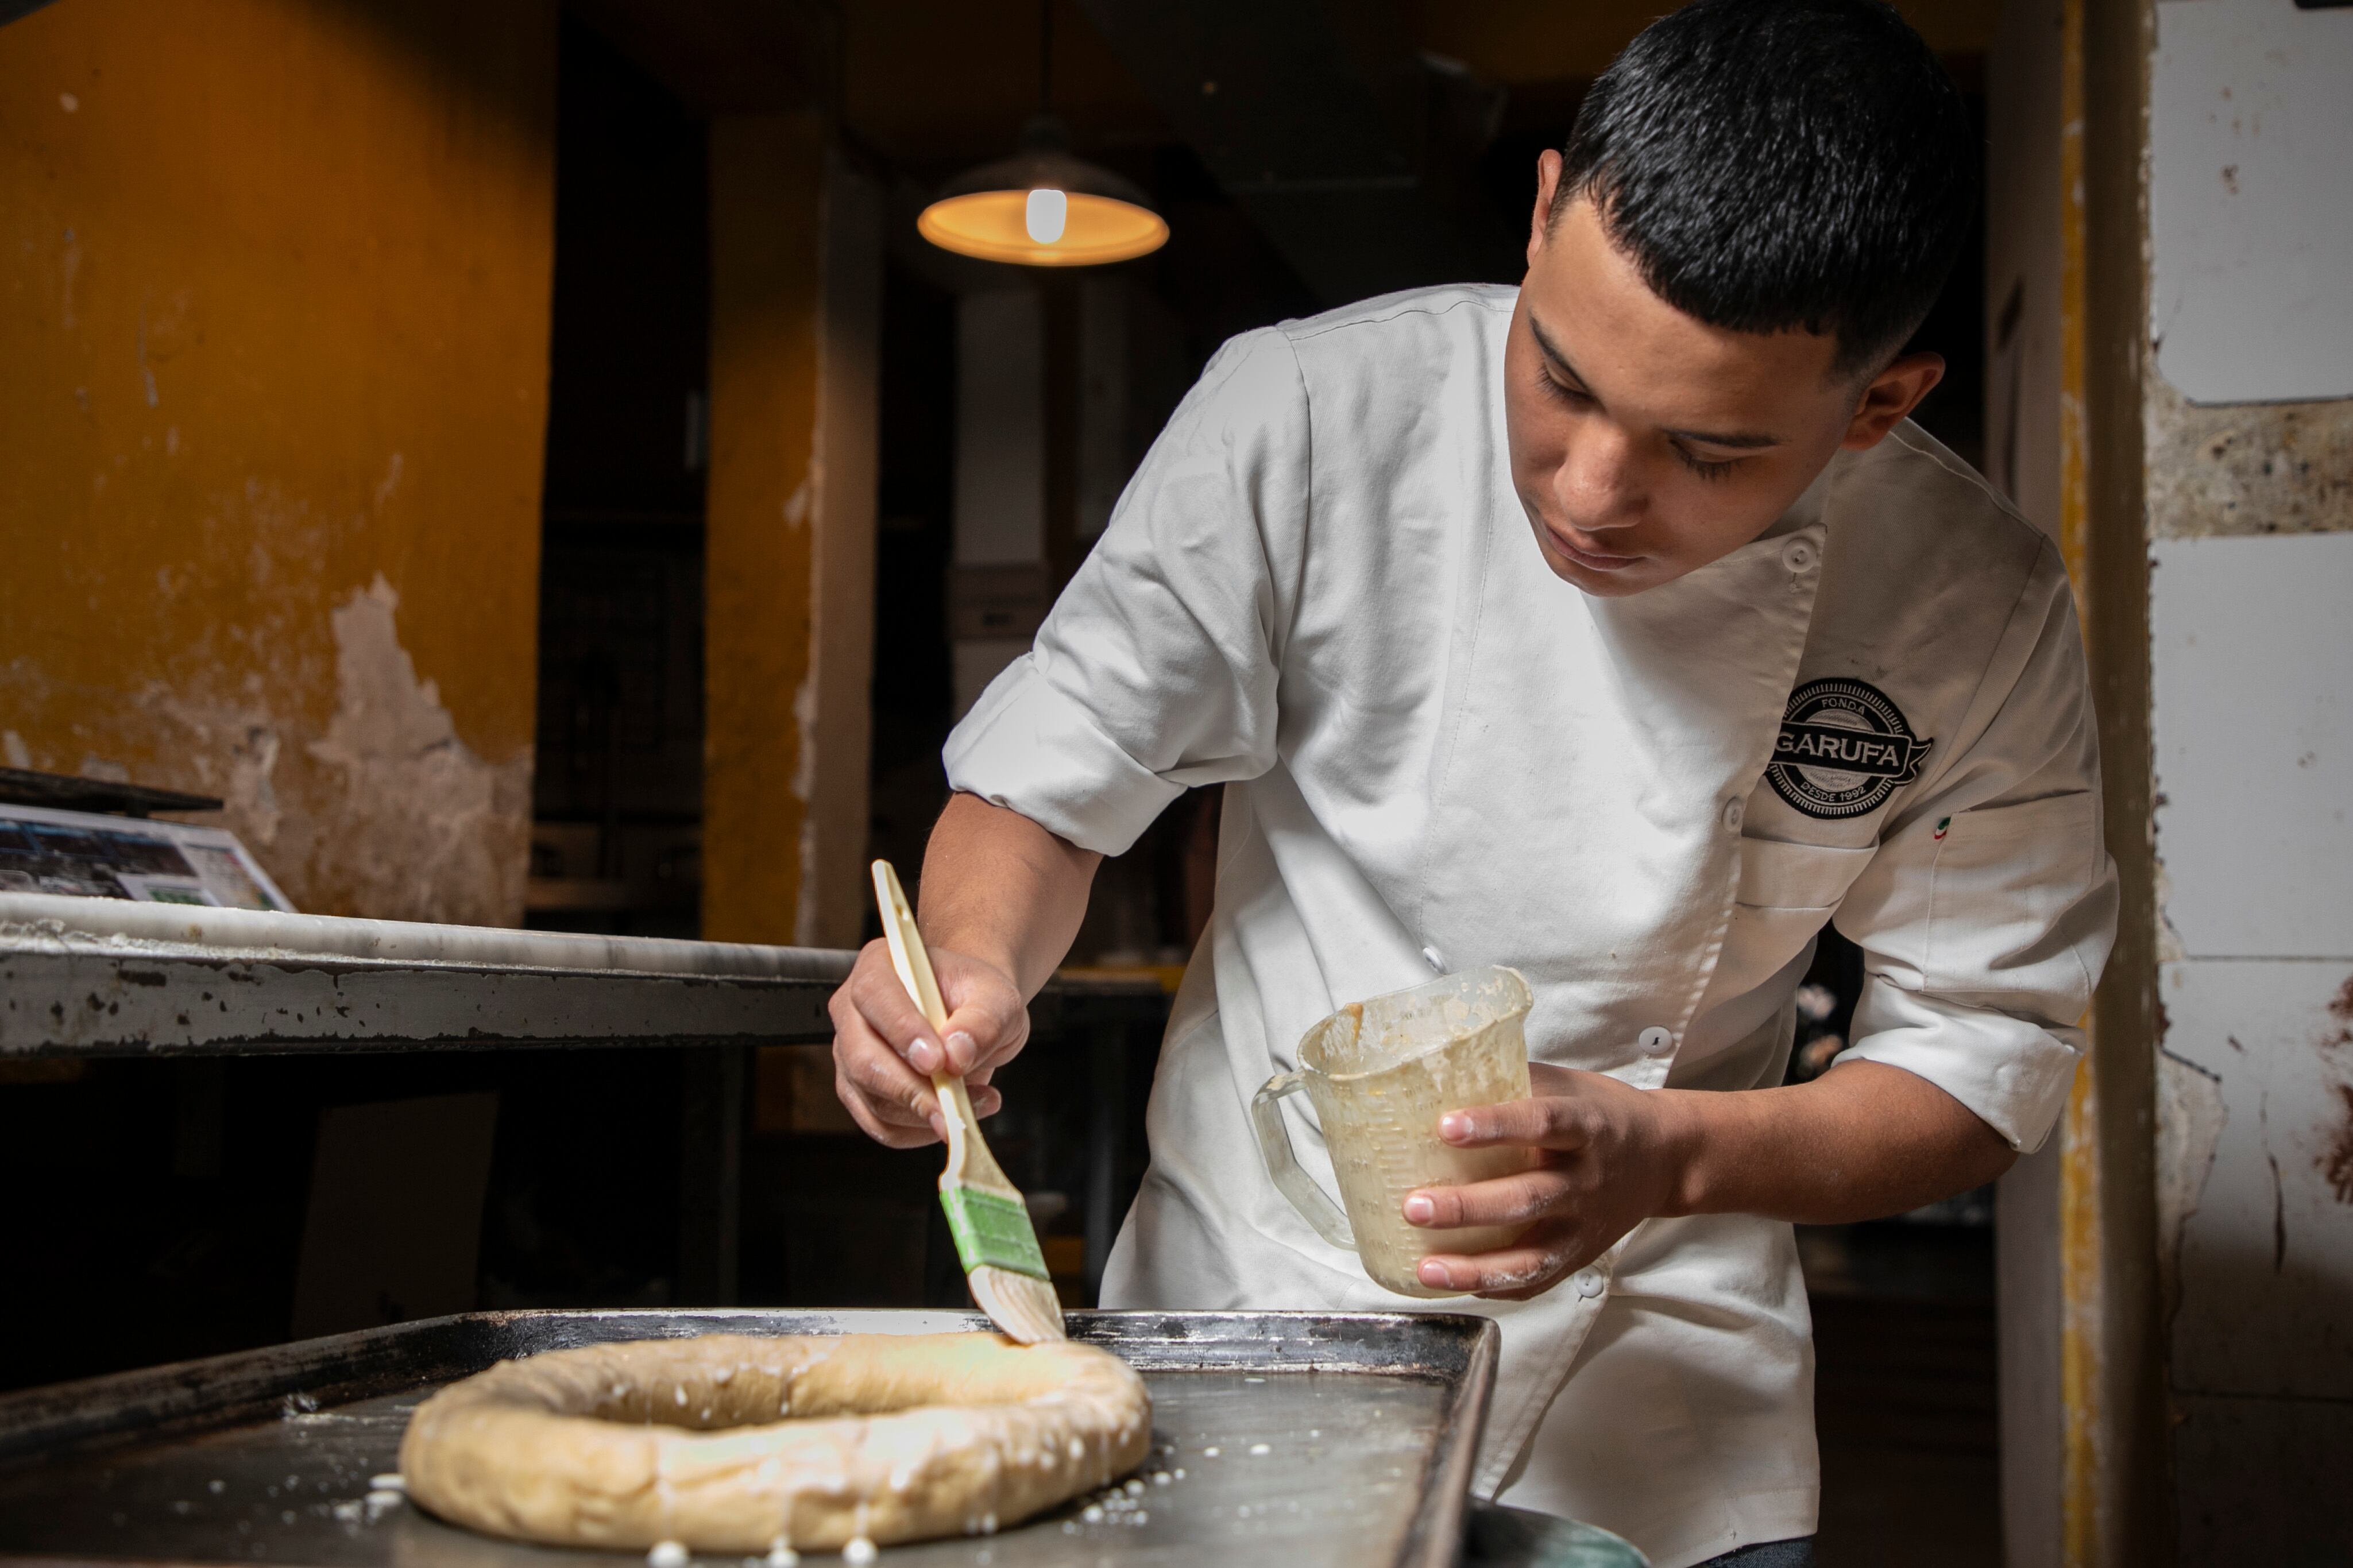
(1987, 914)
(1157, 668)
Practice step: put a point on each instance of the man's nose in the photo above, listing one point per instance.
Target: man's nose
(1597, 484)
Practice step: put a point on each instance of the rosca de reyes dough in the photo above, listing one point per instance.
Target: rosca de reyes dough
(741, 1444)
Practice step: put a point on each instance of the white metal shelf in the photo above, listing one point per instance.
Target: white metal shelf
(112, 977)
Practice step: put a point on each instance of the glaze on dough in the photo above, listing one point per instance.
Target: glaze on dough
(733, 1443)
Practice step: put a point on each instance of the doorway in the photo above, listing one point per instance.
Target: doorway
(616, 802)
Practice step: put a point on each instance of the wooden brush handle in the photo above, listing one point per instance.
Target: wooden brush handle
(908, 955)
(969, 1160)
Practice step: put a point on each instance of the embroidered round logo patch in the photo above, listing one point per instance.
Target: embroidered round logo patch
(1843, 749)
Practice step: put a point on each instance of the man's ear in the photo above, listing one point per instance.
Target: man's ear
(1548, 184)
(1892, 396)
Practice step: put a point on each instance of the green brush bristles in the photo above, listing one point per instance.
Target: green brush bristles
(993, 1232)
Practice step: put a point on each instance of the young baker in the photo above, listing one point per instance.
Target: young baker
(1620, 628)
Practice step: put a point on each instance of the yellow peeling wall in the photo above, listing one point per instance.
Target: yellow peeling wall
(274, 285)
(795, 314)
(760, 754)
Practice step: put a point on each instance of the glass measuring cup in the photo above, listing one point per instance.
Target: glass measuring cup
(1379, 1074)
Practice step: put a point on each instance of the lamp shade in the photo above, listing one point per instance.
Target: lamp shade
(1042, 208)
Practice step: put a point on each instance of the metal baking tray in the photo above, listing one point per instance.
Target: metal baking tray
(1304, 1438)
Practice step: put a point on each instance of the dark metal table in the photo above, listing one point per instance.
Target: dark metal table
(1287, 1439)
(100, 978)
(106, 977)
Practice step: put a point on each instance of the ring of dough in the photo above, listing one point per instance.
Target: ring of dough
(732, 1443)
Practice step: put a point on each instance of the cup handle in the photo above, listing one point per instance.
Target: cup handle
(1274, 1146)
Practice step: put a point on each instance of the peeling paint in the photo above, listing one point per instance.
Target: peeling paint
(177, 616)
(805, 897)
(389, 483)
(2169, 948)
(2246, 469)
(429, 830)
(232, 751)
(805, 727)
(2190, 1116)
(2263, 1269)
(2335, 1162)
(305, 785)
(251, 792)
(19, 756)
(805, 901)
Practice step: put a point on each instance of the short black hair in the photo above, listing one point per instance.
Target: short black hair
(1777, 163)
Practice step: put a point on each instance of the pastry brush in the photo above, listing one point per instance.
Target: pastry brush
(1002, 1264)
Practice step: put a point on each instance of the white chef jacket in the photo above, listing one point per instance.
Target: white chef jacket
(1320, 591)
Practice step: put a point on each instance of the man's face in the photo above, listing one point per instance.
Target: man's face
(1646, 444)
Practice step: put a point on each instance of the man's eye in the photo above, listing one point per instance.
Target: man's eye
(1703, 467)
(1561, 392)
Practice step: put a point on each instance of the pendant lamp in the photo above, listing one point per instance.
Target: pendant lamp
(1042, 207)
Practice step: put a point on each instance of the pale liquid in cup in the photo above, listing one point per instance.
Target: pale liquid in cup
(1380, 1073)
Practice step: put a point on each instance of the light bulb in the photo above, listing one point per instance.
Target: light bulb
(1048, 212)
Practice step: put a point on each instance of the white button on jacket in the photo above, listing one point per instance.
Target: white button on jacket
(1321, 592)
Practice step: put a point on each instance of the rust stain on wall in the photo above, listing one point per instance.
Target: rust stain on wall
(2341, 1007)
(2336, 1163)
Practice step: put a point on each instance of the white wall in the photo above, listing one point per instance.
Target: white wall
(2253, 741)
(1000, 459)
(1002, 551)
(2251, 200)
(2248, 477)
(2250, 181)
(1000, 450)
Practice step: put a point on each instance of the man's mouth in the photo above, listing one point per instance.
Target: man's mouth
(1591, 560)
